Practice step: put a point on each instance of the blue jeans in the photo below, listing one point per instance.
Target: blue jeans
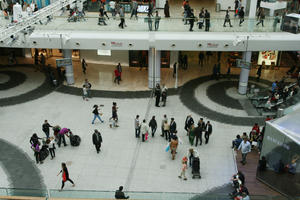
(97, 116)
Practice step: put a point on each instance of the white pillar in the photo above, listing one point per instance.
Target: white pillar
(154, 62)
(244, 75)
(67, 53)
(252, 15)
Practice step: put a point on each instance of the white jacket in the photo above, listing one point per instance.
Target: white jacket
(144, 128)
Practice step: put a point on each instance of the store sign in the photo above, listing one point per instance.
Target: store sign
(212, 45)
(116, 44)
(63, 62)
(101, 52)
(142, 8)
(243, 64)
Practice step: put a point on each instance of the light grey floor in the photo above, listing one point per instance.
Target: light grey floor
(123, 159)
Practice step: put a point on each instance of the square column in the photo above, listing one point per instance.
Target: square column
(67, 53)
(154, 67)
(244, 75)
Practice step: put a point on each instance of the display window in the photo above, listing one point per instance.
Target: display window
(268, 57)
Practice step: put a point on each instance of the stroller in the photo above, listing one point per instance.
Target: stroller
(56, 130)
(196, 167)
(74, 139)
(44, 152)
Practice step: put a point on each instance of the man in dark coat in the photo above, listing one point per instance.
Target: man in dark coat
(97, 140)
(46, 128)
(172, 128)
(199, 130)
(208, 131)
(188, 123)
(120, 194)
(157, 95)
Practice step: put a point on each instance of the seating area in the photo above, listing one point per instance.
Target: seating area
(281, 95)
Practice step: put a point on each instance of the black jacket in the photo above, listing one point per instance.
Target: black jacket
(173, 127)
(95, 140)
(189, 122)
(198, 131)
(120, 195)
(46, 126)
(209, 130)
(153, 123)
(201, 125)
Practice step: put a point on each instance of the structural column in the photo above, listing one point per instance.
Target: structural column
(67, 53)
(252, 15)
(244, 75)
(154, 62)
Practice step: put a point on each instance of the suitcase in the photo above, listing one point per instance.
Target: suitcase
(196, 167)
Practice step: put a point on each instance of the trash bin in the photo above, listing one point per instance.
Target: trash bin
(218, 7)
(280, 112)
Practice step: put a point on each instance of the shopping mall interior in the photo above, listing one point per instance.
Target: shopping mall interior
(170, 99)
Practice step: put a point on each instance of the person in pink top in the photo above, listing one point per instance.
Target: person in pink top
(183, 169)
(61, 134)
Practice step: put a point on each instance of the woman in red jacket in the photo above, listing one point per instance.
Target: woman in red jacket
(65, 175)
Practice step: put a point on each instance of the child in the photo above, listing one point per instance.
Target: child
(84, 93)
(113, 123)
(51, 145)
(184, 167)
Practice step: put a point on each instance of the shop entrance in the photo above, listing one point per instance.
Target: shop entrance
(140, 59)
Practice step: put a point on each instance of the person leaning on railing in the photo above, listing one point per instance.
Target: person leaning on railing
(120, 194)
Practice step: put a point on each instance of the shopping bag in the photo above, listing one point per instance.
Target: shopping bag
(146, 136)
(168, 148)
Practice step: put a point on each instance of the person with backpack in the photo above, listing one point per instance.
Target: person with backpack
(65, 175)
(97, 140)
(96, 114)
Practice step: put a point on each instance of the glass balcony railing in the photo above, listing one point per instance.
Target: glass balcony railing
(91, 20)
(90, 23)
(92, 194)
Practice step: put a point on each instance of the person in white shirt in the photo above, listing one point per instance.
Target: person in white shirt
(245, 148)
(112, 5)
(144, 129)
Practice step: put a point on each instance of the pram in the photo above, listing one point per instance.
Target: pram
(196, 167)
(44, 152)
(74, 139)
(56, 130)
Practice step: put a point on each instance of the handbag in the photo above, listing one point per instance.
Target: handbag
(167, 148)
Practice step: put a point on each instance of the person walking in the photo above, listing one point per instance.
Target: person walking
(150, 21)
(97, 140)
(119, 194)
(156, 21)
(153, 125)
(173, 146)
(167, 9)
(207, 20)
(36, 148)
(46, 128)
(83, 65)
(96, 114)
(114, 110)
(122, 17)
(173, 128)
(241, 14)
(43, 61)
(144, 130)
(150, 8)
(201, 58)
(201, 19)
(198, 132)
(65, 176)
(183, 168)
(112, 5)
(261, 17)
(157, 94)
(188, 123)
(119, 68)
(208, 131)
(276, 21)
(117, 76)
(174, 69)
(227, 17)
(88, 87)
(164, 95)
(192, 20)
(164, 120)
(137, 126)
(191, 134)
(245, 148)
(134, 7)
(85, 94)
(167, 130)
(258, 73)
(185, 62)
(51, 145)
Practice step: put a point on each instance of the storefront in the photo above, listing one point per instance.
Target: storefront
(268, 57)
(140, 59)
